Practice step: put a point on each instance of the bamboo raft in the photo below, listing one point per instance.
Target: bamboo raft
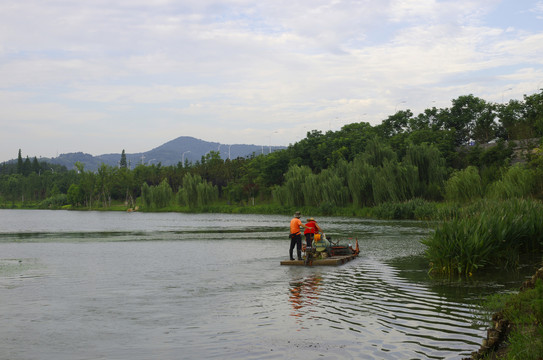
(329, 261)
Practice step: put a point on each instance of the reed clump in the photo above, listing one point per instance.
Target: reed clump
(488, 232)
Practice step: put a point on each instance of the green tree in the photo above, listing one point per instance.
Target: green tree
(19, 163)
(75, 195)
(465, 112)
(197, 192)
(360, 179)
(431, 169)
(464, 185)
(122, 163)
(104, 181)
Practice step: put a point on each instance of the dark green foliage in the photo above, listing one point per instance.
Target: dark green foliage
(122, 163)
(54, 202)
(415, 209)
(464, 185)
(517, 182)
(406, 157)
(75, 195)
(196, 192)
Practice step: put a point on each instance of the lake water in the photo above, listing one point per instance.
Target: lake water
(112, 285)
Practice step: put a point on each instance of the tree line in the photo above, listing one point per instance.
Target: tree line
(425, 156)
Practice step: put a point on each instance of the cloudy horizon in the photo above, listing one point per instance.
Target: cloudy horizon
(103, 76)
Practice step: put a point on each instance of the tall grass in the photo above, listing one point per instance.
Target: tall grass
(491, 232)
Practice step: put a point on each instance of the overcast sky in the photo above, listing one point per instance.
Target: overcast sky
(100, 76)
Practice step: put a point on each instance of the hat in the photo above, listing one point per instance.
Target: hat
(297, 214)
(311, 219)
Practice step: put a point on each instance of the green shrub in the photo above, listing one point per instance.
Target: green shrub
(54, 202)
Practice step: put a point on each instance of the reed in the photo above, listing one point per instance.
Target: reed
(490, 232)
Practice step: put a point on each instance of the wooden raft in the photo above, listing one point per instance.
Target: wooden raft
(330, 261)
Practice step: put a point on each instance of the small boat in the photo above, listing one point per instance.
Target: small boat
(324, 252)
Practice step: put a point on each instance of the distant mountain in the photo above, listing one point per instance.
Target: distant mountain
(170, 153)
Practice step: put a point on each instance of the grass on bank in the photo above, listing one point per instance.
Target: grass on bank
(524, 311)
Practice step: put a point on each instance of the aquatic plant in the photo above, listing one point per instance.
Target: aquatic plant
(494, 232)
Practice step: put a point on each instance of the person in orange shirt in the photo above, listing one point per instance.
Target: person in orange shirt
(296, 235)
(311, 228)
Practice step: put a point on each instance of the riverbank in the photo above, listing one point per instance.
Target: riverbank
(517, 324)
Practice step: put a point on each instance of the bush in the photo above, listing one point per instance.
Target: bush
(54, 202)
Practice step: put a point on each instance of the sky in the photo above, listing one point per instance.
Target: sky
(100, 76)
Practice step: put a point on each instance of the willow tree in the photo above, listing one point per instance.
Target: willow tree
(464, 185)
(332, 188)
(359, 180)
(377, 152)
(311, 189)
(157, 197)
(517, 182)
(292, 192)
(431, 168)
(394, 182)
(196, 191)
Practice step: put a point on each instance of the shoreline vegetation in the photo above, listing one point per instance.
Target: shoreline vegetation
(516, 329)
(466, 236)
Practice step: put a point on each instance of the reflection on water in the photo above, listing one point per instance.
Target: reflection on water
(86, 285)
(304, 296)
(383, 315)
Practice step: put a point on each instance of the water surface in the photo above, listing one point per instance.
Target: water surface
(110, 285)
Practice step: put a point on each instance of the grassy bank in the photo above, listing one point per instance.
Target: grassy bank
(516, 330)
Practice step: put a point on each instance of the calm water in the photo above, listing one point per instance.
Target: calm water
(93, 285)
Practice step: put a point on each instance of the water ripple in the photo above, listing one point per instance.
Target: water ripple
(371, 300)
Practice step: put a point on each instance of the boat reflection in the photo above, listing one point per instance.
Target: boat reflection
(304, 296)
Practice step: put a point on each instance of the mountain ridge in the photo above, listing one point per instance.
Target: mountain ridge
(182, 148)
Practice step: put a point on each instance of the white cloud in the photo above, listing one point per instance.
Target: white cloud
(236, 71)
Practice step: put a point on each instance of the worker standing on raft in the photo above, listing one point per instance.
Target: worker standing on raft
(296, 235)
(311, 228)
